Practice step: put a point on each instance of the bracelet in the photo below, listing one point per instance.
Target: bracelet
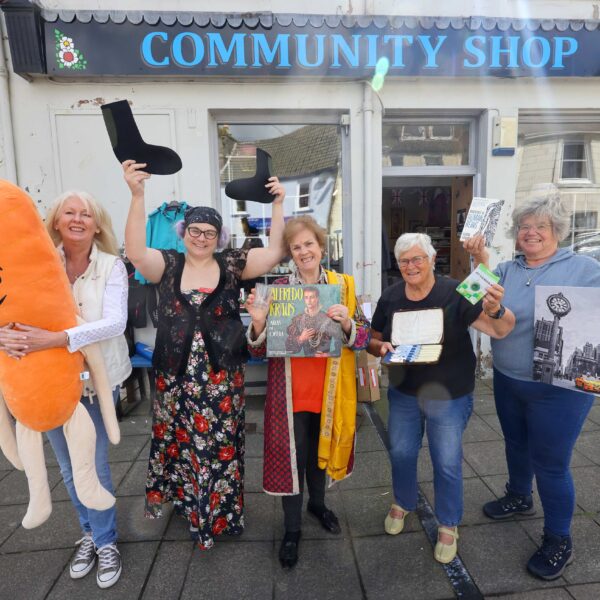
(499, 313)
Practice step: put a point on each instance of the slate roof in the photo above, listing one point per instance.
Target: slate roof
(306, 151)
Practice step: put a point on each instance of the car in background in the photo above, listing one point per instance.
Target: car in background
(587, 245)
(591, 385)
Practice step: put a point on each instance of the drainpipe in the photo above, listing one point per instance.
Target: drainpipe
(367, 109)
(10, 163)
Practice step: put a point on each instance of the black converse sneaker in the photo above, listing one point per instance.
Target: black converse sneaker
(109, 566)
(510, 504)
(552, 557)
(84, 558)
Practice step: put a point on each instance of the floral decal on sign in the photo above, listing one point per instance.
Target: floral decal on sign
(67, 56)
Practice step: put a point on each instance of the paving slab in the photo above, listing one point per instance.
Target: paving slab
(368, 440)
(496, 555)
(61, 530)
(478, 430)
(475, 494)
(137, 562)
(486, 458)
(10, 520)
(587, 488)
(400, 566)
(555, 594)
(371, 469)
(484, 404)
(231, 572)
(133, 483)
(31, 575)
(327, 562)
(14, 490)
(366, 510)
(133, 526)
(253, 474)
(259, 520)
(254, 445)
(128, 449)
(590, 591)
(589, 445)
(169, 571)
(138, 425)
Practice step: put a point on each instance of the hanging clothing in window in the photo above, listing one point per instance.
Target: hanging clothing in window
(160, 229)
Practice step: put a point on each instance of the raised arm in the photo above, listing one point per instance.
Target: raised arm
(488, 321)
(475, 246)
(148, 261)
(262, 260)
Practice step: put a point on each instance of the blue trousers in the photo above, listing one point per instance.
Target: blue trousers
(102, 524)
(445, 422)
(541, 424)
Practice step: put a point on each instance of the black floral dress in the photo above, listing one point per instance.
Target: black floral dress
(197, 450)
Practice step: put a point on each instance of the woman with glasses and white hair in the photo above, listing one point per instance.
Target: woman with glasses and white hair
(436, 397)
(197, 450)
(540, 422)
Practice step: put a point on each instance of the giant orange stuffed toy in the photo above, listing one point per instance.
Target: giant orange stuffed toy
(42, 389)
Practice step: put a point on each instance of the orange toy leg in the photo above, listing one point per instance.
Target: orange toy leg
(81, 440)
(31, 450)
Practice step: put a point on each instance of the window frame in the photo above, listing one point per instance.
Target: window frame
(428, 122)
(574, 181)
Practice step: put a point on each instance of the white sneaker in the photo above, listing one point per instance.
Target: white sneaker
(109, 566)
(84, 559)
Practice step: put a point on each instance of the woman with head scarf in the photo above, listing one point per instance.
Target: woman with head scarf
(197, 451)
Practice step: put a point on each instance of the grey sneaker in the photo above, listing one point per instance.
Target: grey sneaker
(109, 566)
(84, 559)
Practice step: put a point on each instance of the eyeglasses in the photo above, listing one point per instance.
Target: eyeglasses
(415, 260)
(541, 228)
(196, 232)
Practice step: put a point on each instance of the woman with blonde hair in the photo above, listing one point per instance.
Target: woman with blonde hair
(82, 231)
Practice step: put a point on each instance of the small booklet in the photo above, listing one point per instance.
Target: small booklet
(475, 286)
(483, 218)
(416, 337)
(298, 325)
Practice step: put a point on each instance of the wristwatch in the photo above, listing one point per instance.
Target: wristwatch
(499, 314)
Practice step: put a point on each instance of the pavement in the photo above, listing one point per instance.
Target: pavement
(160, 561)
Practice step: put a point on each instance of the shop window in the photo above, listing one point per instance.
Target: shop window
(307, 158)
(561, 153)
(574, 164)
(410, 145)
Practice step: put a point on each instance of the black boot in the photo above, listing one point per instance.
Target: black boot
(253, 188)
(288, 551)
(128, 144)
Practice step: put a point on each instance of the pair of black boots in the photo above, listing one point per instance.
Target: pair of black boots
(128, 143)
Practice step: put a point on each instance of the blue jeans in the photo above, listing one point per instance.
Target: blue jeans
(102, 524)
(445, 421)
(541, 424)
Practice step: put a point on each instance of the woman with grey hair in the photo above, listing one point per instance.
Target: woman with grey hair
(540, 422)
(438, 397)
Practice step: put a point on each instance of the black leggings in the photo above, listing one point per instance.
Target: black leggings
(306, 433)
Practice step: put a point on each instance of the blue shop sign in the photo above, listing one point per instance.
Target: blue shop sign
(285, 48)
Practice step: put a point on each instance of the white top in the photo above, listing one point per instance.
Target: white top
(114, 313)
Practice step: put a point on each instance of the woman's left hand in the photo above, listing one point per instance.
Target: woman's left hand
(19, 340)
(276, 188)
(493, 299)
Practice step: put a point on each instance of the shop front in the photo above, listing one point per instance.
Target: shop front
(377, 125)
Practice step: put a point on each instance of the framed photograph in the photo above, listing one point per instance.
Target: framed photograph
(415, 226)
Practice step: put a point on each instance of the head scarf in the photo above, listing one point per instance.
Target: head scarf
(203, 214)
